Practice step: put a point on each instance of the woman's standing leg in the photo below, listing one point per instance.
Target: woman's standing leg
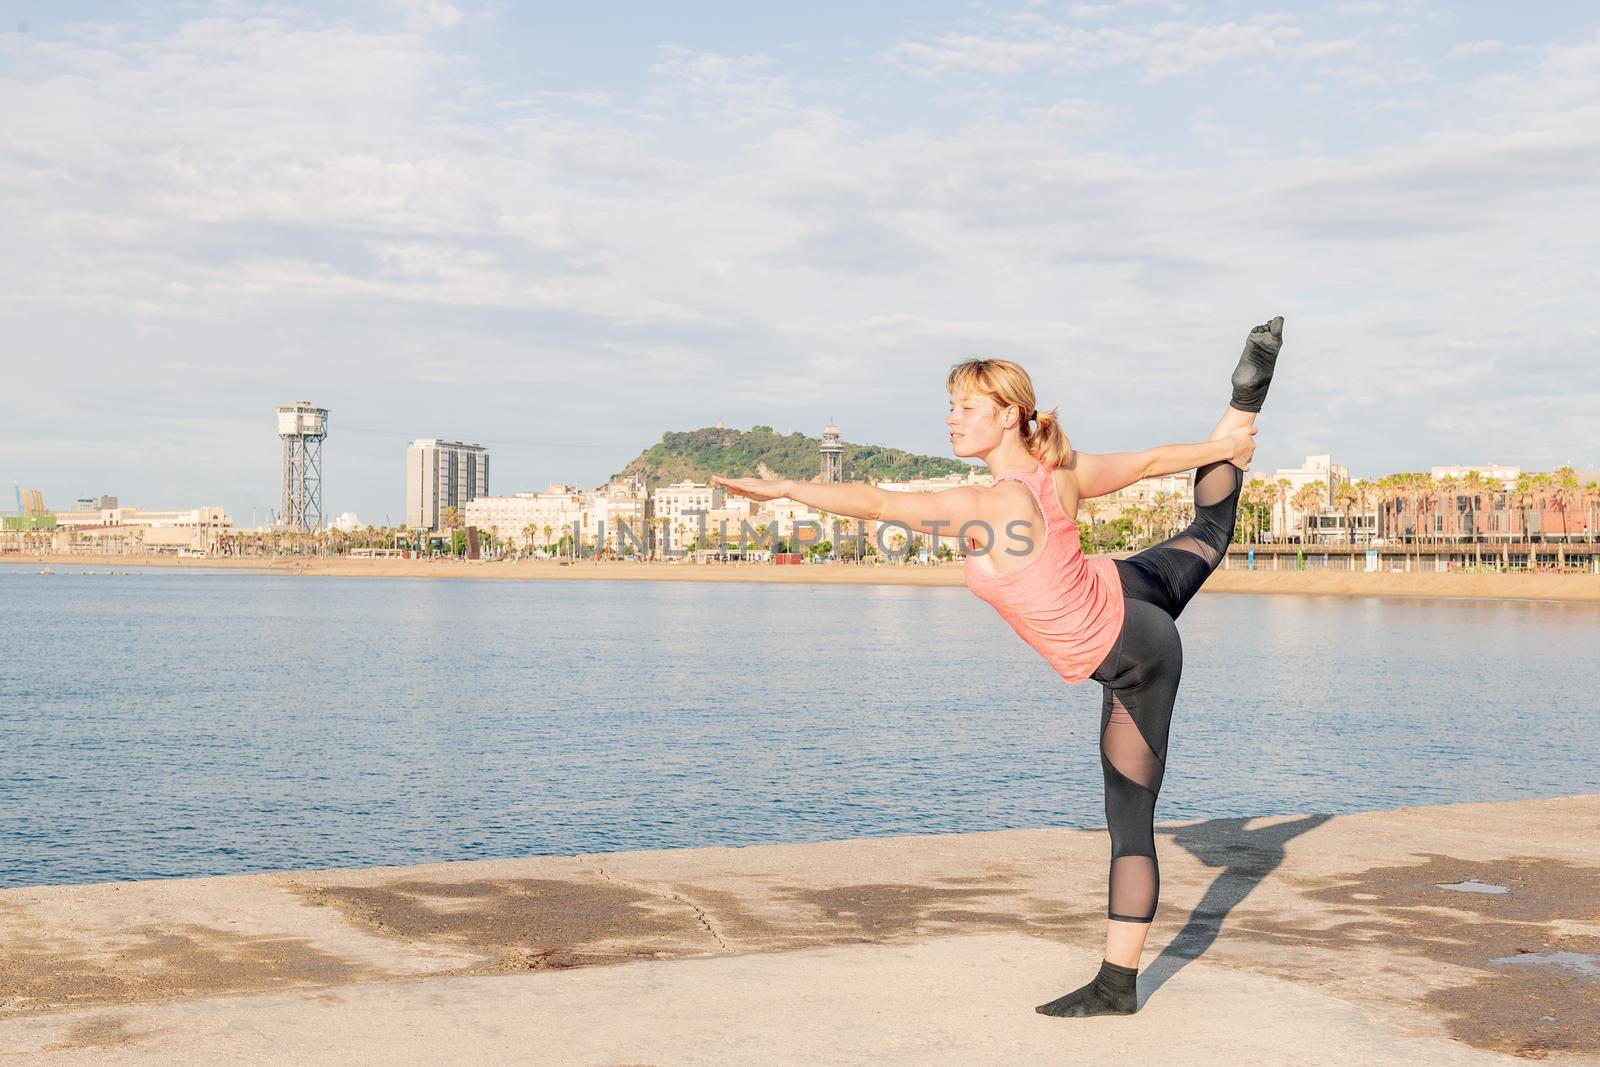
(1140, 684)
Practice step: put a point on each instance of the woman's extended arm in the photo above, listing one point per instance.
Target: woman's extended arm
(943, 512)
(1170, 459)
(1099, 475)
(855, 499)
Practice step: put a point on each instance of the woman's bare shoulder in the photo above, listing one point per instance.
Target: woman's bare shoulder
(1067, 488)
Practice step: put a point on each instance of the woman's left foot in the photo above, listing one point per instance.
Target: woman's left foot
(1254, 373)
(1114, 991)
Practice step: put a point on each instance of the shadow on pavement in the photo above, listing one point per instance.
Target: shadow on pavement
(1246, 858)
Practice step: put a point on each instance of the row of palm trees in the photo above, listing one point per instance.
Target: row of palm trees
(1405, 508)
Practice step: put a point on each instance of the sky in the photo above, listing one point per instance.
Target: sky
(562, 230)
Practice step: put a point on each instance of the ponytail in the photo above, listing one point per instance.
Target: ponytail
(1046, 441)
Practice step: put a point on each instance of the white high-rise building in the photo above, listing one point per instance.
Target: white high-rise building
(442, 474)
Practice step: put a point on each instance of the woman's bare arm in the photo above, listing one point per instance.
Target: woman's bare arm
(1103, 474)
(943, 512)
(1170, 459)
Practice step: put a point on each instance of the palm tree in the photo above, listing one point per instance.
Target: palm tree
(1280, 496)
(1256, 497)
(1450, 486)
(1091, 508)
(1522, 497)
(1473, 485)
(1346, 498)
(1591, 497)
(1308, 499)
(1567, 493)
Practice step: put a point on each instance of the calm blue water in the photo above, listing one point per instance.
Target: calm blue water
(162, 724)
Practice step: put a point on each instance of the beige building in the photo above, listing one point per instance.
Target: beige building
(120, 529)
(1495, 472)
(620, 514)
(531, 520)
(1146, 492)
(673, 510)
(539, 520)
(1288, 518)
(442, 474)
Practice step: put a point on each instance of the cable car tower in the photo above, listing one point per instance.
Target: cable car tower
(303, 427)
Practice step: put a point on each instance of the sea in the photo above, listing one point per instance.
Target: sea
(159, 723)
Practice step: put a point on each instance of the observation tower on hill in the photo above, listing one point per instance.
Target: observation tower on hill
(832, 450)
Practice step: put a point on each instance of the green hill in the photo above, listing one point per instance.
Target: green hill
(695, 455)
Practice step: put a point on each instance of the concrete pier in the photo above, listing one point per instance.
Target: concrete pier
(1459, 934)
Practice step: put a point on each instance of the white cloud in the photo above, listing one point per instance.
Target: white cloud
(291, 201)
(1475, 48)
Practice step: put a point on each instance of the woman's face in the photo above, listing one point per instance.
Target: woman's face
(975, 424)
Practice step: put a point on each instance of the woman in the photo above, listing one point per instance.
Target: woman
(1107, 619)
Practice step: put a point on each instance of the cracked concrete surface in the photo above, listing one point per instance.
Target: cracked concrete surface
(1304, 936)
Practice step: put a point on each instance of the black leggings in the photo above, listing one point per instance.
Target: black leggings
(1140, 677)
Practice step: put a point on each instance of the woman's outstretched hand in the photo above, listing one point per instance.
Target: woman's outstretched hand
(1244, 446)
(754, 488)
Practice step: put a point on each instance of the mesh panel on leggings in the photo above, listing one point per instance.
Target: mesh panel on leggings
(1135, 887)
(1125, 747)
(1135, 880)
(1215, 482)
(1188, 543)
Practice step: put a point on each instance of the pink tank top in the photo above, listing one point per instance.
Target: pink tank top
(1065, 605)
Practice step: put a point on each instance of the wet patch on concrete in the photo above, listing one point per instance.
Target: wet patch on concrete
(159, 962)
(523, 923)
(1581, 962)
(98, 1031)
(1473, 886)
(1529, 1011)
(879, 911)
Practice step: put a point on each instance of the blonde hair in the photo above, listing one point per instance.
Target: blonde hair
(1008, 385)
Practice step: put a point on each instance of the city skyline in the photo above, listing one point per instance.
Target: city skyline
(406, 491)
(542, 230)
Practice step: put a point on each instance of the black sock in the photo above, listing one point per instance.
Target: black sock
(1114, 991)
(1254, 372)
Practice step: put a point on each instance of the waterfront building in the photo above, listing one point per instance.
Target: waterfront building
(1496, 472)
(1289, 508)
(673, 507)
(440, 475)
(529, 520)
(1176, 490)
(120, 529)
(621, 503)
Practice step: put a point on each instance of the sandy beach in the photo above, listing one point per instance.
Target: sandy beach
(1511, 586)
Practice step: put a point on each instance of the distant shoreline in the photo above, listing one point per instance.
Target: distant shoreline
(1508, 586)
